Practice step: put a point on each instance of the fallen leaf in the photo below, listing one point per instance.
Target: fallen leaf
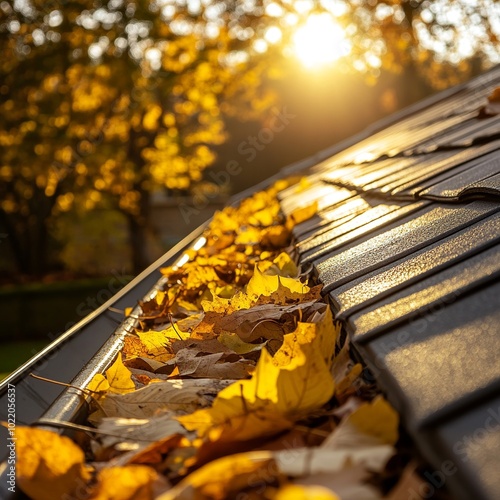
(132, 482)
(286, 266)
(233, 342)
(295, 381)
(127, 434)
(302, 214)
(182, 396)
(48, 466)
(260, 321)
(299, 492)
(410, 482)
(226, 477)
(371, 423)
(118, 380)
(143, 363)
(153, 454)
(345, 372)
(191, 365)
(266, 284)
(492, 107)
(119, 377)
(351, 483)
(322, 460)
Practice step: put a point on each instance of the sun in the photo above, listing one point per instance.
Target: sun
(320, 41)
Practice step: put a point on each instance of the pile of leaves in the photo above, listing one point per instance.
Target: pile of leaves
(236, 384)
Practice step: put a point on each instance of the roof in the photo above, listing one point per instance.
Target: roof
(406, 244)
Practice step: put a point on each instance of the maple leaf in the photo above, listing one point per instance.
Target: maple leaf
(295, 381)
(266, 284)
(48, 466)
(118, 379)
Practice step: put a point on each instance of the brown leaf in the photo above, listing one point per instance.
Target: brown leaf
(180, 396)
(133, 434)
(207, 366)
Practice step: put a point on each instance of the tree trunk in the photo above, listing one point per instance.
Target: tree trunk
(138, 230)
(14, 240)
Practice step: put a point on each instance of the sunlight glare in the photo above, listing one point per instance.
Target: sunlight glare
(320, 41)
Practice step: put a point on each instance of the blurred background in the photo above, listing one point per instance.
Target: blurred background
(125, 124)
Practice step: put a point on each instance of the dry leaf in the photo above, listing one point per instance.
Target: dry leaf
(351, 483)
(302, 214)
(265, 284)
(182, 396)
(49, 466)
(126, 434)
(299, 492)
(132, 482)
(119, 377)
(371, 423)
(321, 460)
(226, 477)
(191, 365)
(297, 380)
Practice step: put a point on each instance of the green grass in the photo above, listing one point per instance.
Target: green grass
(14, 354)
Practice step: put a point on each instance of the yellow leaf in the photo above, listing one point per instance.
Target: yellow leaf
(282, 389)
(119, 377)
(276, 236)
(227, 306)
(234, 342)
(226, 477)
(49, 466)
(153, 340)
(131, 482)
(303, 185)
(98, 384)
(299, 492)
(264, 284)
(286, 265)
(378, 419)
(302, 214)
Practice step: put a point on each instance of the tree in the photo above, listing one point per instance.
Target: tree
(103, 102)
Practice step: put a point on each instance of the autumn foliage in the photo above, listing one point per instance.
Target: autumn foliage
(236, 381)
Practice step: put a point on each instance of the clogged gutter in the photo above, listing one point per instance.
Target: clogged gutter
(237, 383)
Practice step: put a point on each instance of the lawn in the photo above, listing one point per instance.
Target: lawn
(14, 354)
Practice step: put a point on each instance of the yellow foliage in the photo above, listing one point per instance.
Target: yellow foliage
(118, 379)
(49, 466)
(224, 478)
(131, 482)
(378, 419)
(282, 389)
(300, 492)
(266, 284)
